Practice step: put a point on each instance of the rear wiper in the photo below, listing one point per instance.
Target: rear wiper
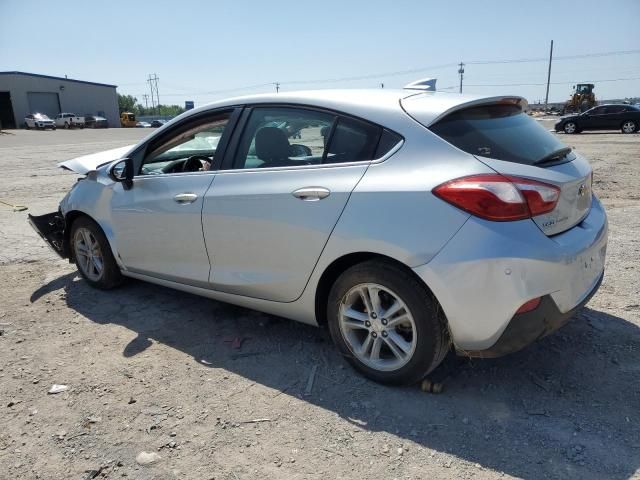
(556, 155)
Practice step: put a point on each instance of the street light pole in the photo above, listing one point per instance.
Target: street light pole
(461, 72)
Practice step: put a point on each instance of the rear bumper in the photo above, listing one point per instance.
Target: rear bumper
(488, 270)
(51, 228)
(525, 328)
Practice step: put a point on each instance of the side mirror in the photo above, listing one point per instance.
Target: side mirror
(122, 171)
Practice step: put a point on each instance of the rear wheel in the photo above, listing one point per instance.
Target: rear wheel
(629, 126)
(66, 125)
(386, 323)
(570, 127)
(93, 255)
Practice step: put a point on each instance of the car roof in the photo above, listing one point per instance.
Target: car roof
(372, 104)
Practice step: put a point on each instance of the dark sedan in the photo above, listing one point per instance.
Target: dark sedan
(94, 121)
(158, 123)
(603, 117)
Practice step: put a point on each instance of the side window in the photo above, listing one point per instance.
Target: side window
(353, 141)
(598, 111)
(615, 109)
(190, 147)
(388, 140)
(281, 137)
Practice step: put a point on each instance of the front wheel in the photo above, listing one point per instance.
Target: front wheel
(570, 127)
(629, 126)
(386, 323)
(93, 256)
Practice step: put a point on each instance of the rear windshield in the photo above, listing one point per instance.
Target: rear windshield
(502, 132)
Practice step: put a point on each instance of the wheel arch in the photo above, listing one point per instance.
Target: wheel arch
(70, 217)
(339, 266)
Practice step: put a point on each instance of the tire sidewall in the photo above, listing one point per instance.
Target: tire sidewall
(418, 300)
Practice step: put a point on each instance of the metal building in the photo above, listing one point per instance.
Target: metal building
(24, 93)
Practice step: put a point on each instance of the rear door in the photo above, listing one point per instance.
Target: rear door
(612, 119)
(594, 119)
(504, 138)
(268, 216)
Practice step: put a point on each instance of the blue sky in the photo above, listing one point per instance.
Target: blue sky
(201, 50)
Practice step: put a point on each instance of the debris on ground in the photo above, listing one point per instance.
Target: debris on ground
(147, 458)
(57, 389)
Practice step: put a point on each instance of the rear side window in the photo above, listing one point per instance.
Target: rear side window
(353, 141)
(388, 140)
(501, 132)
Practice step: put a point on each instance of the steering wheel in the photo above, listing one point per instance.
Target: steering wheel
(194, 163)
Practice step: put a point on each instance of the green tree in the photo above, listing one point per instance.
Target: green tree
(127, 103)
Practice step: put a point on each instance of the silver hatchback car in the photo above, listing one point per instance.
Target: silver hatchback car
(407, 222)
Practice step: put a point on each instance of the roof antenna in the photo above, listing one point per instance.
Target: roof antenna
(425, 84)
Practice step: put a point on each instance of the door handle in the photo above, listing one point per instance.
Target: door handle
(184, 198)
(311, 194)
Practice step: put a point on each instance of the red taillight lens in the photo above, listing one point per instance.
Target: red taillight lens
(499, 198)
(530, 305)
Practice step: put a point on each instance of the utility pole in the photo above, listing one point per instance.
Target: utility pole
(277, 87)
(546, 97)
(382, 85)
(153, 86)
(461, 72)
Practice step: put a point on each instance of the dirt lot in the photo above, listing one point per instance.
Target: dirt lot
(150, 369)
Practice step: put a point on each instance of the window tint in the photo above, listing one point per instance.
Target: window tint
(388, 140)
(598, 111)
(502, 132)
(615, 109)
(190, 149)
(353, 141)
(280, 137)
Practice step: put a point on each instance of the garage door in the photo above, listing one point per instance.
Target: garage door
(44, 102)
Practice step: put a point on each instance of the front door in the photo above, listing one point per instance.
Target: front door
(267, 220)
(157, 223)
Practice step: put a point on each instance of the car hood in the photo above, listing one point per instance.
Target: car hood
(87, 163)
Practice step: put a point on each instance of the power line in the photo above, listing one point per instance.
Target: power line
(550, 83)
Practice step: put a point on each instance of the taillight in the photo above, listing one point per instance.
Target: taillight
(499, 198)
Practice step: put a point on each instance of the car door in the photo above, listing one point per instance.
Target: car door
(268, 216)
(157, 222)
(612, 119)
(594, 119)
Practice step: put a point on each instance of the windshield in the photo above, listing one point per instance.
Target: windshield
(502, 132)
(40, 116)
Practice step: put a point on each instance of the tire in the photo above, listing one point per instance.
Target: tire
(425, 340)
(26, 126)
(629, 126)
(570, 127)
(66, 125)
(85, 231)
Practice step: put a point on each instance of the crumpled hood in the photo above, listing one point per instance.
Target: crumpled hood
(87, 163)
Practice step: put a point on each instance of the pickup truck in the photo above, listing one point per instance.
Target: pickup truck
(69, 120)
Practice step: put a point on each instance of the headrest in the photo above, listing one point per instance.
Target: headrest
(271, 144)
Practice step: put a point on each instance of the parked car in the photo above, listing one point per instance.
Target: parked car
(143, 125)
(603, 117)
(95, 121)
(158, 123)
(39, 121)
(409, 223)
(69, 120)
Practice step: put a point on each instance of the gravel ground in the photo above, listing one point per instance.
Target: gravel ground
(157, 371)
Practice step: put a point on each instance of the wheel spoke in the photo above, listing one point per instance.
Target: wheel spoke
(366, 344)
(399, 320)
(86, 238)
(395, 339)
(81, 249)
(350, 312)
(395, 307)
(375, 349)
(364, 295)
(97, 263)
(374, 296)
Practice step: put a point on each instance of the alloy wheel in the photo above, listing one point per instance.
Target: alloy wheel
(89, 255)
(570, 127)
(377, 326)
(628, 127)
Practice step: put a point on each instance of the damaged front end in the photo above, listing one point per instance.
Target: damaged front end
(51, 228)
